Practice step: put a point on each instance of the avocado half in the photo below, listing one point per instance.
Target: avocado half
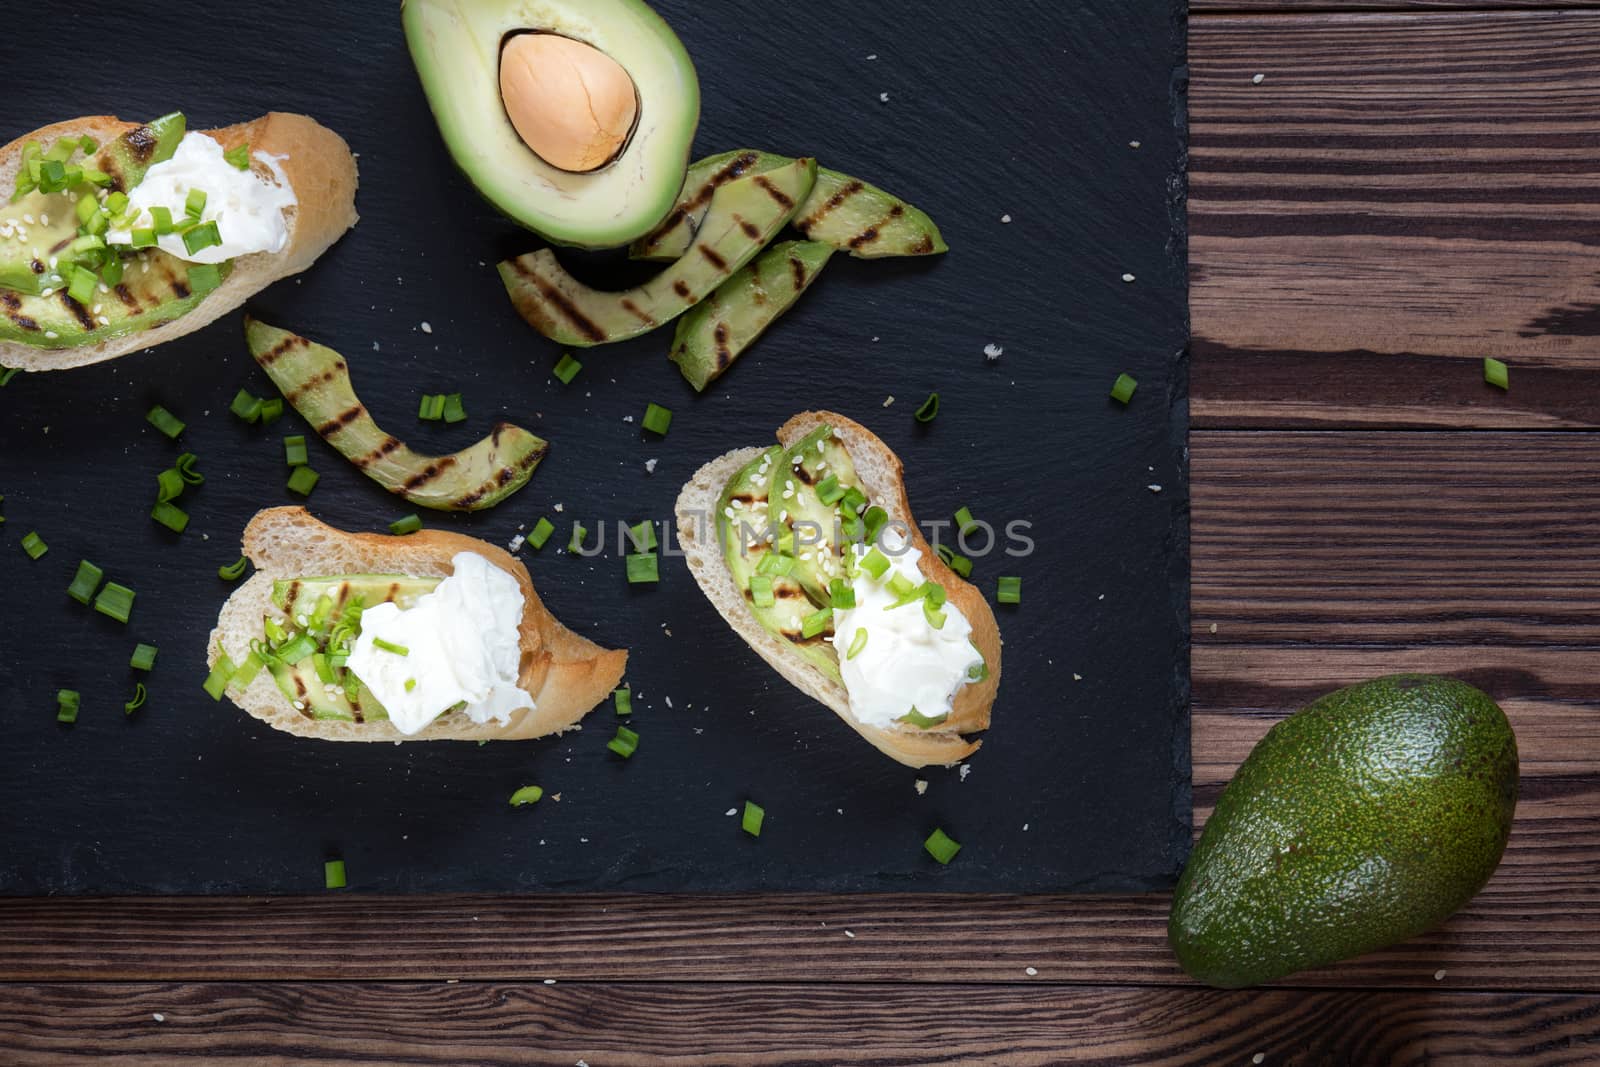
(456, 46)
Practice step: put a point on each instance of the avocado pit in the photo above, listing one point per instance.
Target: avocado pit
(573, 106)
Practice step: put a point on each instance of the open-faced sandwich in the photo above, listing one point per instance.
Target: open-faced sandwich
(427, 637)
(119, 236)
(810, 551)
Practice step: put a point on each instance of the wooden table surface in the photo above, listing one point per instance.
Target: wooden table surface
(1412, 186)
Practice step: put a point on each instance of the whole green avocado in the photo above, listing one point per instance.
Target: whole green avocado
(1364, 819)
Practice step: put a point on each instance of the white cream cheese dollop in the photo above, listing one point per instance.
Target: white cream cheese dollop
(906, 662)
(462, 647)
(247, 207)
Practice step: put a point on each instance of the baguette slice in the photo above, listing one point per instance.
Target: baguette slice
(567, 674)
(881, 474)
(322, 173)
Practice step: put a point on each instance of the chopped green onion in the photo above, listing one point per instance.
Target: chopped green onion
(1496, 373)
(956, 562)
(842, 594)
(83, 285)
(454, 410)
(408, 525)
(933, 593)
(411, 683)
(302, 480)
(8, 373)
(576, 541)
(117, 203)
(979, 672)
(86, 206)
(294, 451)
(161, 219)
(333, 875)
(246, 672)
(1122, 389)
(567, 369)
(935, 617)
(941, 846)
(761, 591)
(541, 532)
(67, 705)
(171, 516)
(625, 743)
(876, 519)
(194, 205)
(816, 622)
(169, 484)
(432, 407)
(115, 601)
(929, 409)
(643, 536)
(623, 698)
(297, 649)
(875, 563)
(34, 546)
(85, 582)
(754, 816)
(217, 681)
(144, 657)
(921, 721)
(643, 568)
(965, 523)
(775, 563)
(857, 643)
(239, 156)
(139, 696)
(319, 663)
(904, 589)
(89, 242)
(203, 277)
(853, 501)
(829, 491)
(528, 794)
(96, 177)
(186, 466)
(143, 237)
(199, 238)
(233, 571)
(246, 406)
(165, 421)
(657, 419)
(389, 646)
(111, 273)
(1009, 591)
(88, 144)
(271, 410)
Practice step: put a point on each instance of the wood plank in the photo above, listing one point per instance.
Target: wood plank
(1400, 196)
(1397, 538)
(1302, 7)
(495, 1023)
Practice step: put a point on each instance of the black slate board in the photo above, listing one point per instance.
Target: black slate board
(1027, 111)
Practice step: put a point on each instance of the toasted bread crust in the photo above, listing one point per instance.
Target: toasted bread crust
(320, 169)
(881, 473)
(567, 674)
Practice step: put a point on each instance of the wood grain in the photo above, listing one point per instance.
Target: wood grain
(1398, 198)
(1316, 7)
(714, 1023)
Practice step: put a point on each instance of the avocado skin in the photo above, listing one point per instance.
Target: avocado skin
(1364, 819)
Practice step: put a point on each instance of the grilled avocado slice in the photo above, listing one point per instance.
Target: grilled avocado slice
(841, 211)
(744, 215)
(721, 327)
(797, 504)
(316, 380)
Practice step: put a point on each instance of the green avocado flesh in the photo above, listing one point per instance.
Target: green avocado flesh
(841, 211)
(743, 216)
(718, 330)
(770, 514)
(456, 47)
(316, 381)
(44, 246)
(1364, 819)
(327, 611)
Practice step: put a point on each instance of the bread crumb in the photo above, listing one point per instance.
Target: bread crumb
(920, 785)
(1135, 144)
(1213, 627)
(1258, 1057)
(650, 466)
(1030, 971)
(883, 98)
(888, 400)
(1005, 218)
(965, 769)
(1438, 976)
(992, 352)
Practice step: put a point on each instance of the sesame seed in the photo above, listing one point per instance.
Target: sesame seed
(44, 220)
(46, 292)
(1135, 144)
(28, 219)
(51, 334)
(102, 320)
(427, 327)
(1128, 278)
(1258, 79)
(883, 98)
(1005, 218)
(1030, 971)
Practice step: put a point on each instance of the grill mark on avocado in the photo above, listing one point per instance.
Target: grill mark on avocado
(724, 354)
(865, 237)
(341, 420)
(923, 247)
(558, 300)
(320, 380)
(58, 246)
(637, 312)
(798, 269)
(107, 164)
(681, 288)
(773, 191)
(180, 289)
(270, 356)
(751, 230)
(389, 445)
(503, 477)
(10, 300)
(830, 204)
(712, 257)
(804, 475)
(428, 473)
(125, 295)
(141, 143)
(78, 311)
